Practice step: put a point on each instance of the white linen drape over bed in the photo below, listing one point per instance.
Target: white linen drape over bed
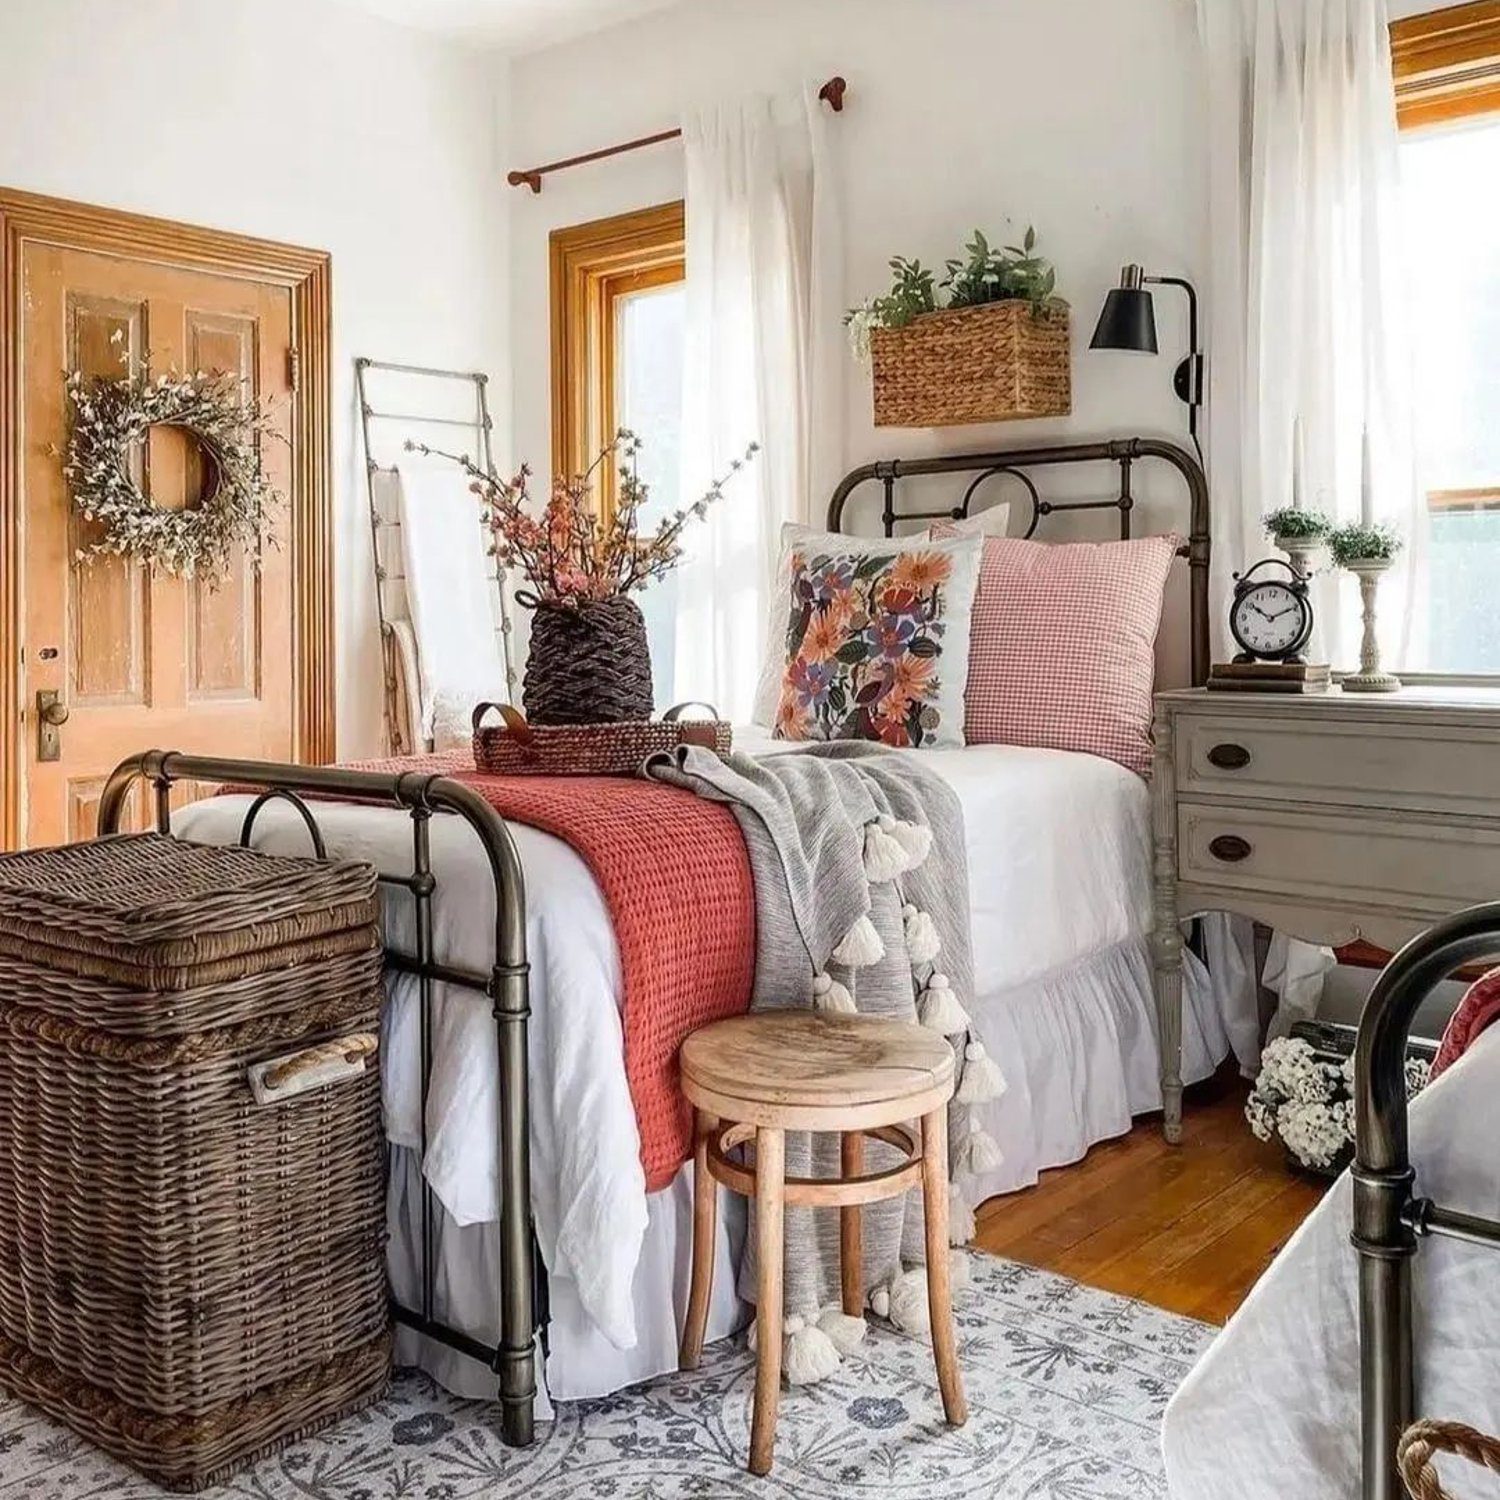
(760, 364)
(1307, 321)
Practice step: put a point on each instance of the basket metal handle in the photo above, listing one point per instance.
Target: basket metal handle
(313, 1067)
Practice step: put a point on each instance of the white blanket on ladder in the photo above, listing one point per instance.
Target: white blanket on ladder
(451, 593)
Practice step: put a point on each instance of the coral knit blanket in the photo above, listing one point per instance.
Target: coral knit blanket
(676, 878)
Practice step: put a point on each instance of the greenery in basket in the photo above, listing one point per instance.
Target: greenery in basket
(1359, 543)
(567, 554)
(984, 274)
(1296, 524)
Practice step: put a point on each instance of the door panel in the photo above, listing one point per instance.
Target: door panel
(140, 658)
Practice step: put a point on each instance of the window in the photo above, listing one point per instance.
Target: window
(1447, 67)
(617, 354)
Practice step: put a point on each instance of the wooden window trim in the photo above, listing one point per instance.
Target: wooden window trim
(1446, 64)
(1484, 498)
(592, 266)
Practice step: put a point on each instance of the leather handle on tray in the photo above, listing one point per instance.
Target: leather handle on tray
(515, 720)
(673, 714)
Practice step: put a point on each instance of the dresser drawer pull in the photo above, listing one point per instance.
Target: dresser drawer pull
(1229, 847)
(1229, 757)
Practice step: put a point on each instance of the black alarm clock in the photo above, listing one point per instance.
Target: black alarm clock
(1270, 618)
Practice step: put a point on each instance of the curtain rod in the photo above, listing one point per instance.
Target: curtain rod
(832, 94)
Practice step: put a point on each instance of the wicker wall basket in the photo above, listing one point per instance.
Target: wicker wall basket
(191, 1156)
(995, 363)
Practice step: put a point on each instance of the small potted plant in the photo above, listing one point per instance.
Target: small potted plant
(987, 343)
(1367, 551)
(1299, 533)
(589, 661)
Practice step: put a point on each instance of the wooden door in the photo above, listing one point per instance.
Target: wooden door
(141, 659)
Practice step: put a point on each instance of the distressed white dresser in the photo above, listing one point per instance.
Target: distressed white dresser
(1332, 818)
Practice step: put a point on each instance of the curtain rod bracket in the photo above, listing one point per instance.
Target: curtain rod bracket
(832, 94)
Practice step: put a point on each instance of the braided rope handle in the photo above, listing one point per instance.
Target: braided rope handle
(1422, 1441)
(346, 1049)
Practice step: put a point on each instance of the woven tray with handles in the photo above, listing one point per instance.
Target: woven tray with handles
(516, 748)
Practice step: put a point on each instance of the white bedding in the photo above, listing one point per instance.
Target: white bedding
(1058, 850)
(1272, 1409)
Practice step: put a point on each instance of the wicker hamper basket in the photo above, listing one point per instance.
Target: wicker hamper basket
(990, 363)
(189, 1277)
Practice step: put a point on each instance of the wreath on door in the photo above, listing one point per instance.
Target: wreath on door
(111, 419)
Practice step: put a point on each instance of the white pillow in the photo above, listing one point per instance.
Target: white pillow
(992, 521)
(902, 606)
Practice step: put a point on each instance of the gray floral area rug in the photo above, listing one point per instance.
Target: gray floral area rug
(1066, 1389)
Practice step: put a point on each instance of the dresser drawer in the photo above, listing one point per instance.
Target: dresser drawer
(1347, 858)
(1347, 760)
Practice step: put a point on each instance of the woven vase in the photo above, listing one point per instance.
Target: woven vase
(589, 664)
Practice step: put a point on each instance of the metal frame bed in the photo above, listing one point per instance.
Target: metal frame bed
(522, 1293)
(1390, 1219)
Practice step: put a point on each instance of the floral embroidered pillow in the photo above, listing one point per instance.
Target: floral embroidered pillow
(877, 640)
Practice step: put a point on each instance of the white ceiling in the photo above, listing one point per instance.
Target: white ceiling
(511, 25)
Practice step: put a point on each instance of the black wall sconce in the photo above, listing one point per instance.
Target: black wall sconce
(1128, 321)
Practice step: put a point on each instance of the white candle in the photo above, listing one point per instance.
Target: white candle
(1297, 463)
(1366, 482)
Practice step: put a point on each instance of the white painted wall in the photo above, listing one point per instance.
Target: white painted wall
(296, 120)
(1084, 117)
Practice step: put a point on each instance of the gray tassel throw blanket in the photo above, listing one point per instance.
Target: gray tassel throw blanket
(862, 903)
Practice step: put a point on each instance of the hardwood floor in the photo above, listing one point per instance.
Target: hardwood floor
(1189, 1228)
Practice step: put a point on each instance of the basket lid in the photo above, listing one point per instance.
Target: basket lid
(137, 907)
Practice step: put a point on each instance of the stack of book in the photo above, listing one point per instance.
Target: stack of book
(1270, 676)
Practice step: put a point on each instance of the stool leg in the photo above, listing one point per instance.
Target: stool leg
(851, 1241)
(705, 1237)
(770, 1172)
(939, 1291)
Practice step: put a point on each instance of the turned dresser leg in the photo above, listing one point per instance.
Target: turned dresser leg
(770, 1172)
(851, 1240)
(939, 1289)
(1166, 942)
(705, 1231)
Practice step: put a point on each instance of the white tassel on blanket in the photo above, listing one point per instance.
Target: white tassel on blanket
(861, 945)
(828, 994)
(961, 1225)
(844, 1332)
(886, 856)
(979, 1153)
(939, 1008)
(903, 1300)
(922, 941)
(915, 837)
(808, 1353)
(982, 1080)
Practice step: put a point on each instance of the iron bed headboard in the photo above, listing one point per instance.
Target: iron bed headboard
(1013, 463)
(1389, 1218)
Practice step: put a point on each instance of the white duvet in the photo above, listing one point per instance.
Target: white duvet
(1272, 1410)
(1058, 853)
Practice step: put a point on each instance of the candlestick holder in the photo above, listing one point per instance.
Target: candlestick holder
(1370, 678)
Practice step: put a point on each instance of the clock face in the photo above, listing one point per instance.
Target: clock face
(1270, 620)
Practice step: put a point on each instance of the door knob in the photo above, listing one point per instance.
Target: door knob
(51, 714)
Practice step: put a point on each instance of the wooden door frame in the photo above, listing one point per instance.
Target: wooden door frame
(29, 218)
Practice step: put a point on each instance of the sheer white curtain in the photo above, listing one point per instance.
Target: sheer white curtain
(764, 267)
(1307, 325)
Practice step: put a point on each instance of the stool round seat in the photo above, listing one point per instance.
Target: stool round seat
(810, 1070)
(750, 1080)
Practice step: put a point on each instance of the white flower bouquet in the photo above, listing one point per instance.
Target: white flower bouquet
(1307, 1102)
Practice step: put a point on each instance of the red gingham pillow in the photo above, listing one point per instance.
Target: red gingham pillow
(1062, 645)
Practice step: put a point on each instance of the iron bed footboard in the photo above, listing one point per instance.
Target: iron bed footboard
(1389, 1218)
(506, 984)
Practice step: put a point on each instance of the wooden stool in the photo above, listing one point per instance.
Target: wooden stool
(753, 1078)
